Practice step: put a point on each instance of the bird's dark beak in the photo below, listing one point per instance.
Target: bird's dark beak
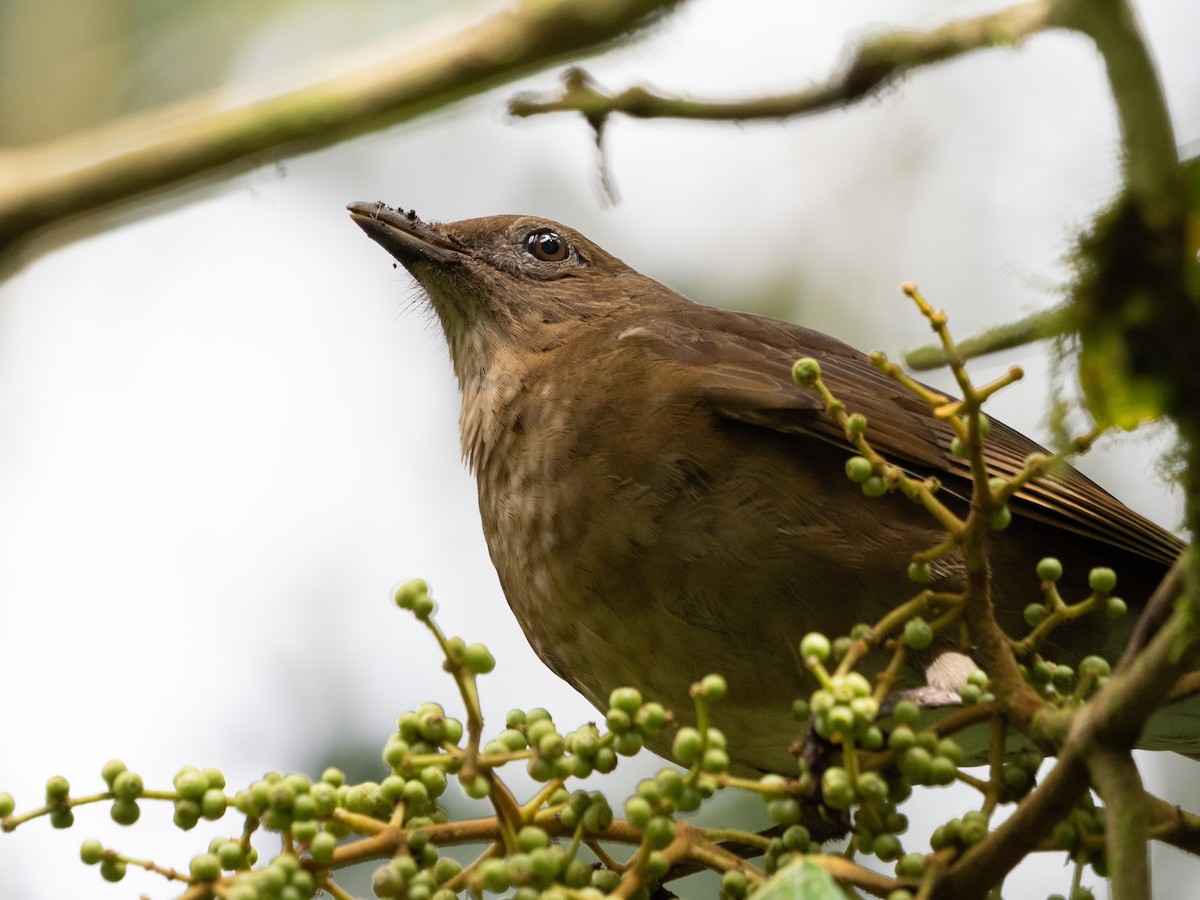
(403, 235)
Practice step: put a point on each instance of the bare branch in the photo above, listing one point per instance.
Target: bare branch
(872, 64)
(45, 183)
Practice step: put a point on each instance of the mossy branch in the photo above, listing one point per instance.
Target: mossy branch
(203, 136)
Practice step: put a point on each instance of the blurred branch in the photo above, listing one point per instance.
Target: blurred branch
(874, 63)
(1153, 174)
(45, 183)
(1047, 323)
(1127, 826)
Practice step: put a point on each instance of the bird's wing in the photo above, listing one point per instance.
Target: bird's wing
(741, 365)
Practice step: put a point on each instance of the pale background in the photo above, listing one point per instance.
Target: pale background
(228, 428)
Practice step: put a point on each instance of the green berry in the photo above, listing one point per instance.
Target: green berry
(205, 867)
(918, 633)
(872, 787)
(859, 469)
(213, 804)
(1102, 580)
(187, 814)
(7, 805)
(231, 855)
(902, 737)
(1034, 614)
(686, 747)
(874, 486)
(657, 865)
(423, 607)
(90, 851)
(911, 865)
(479, 659)
(958, 448)
(62, 817)
(1049, 569)
(597, 817)
(190, 783)
(906, 712)
(835, 788)
(734, 885)
(920, 572)
(495, 875)
(659, 832)
(942, 771)
(1000, 519)
(887, 847)
(127, 785)
(125, 812)
(111, 770)
(815, 645)
(1115, 607)
(713, 687)
(638, 811)
(322, 846)
(406, 595)
(806, 371)
(532, 838)
(626, 699)
(112, 869)
(58, 789)
(915, 764)
(1062, 677)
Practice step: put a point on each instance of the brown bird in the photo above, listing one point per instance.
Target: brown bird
(661, 500)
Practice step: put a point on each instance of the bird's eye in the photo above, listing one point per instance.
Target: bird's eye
(547, 246)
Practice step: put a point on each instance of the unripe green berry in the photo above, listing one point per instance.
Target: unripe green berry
(127, 785)
(479, 659)
(125, 812)
(1094, 667)
(806, 371)
(859, 469)
(111, 770)
(918, 633)
(815, 645)
(1049, 569)
(887, 847)
(906, 712)
(58, 789)
(874, 486)
(205, 867)
(686, 747)
(713, 687)
(90, 851)
(919, 572)
(407, 594)
(911, 865)
(659, 831)
(1000, 519)
(112, 869)
(1102, 580)
(322, 846)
